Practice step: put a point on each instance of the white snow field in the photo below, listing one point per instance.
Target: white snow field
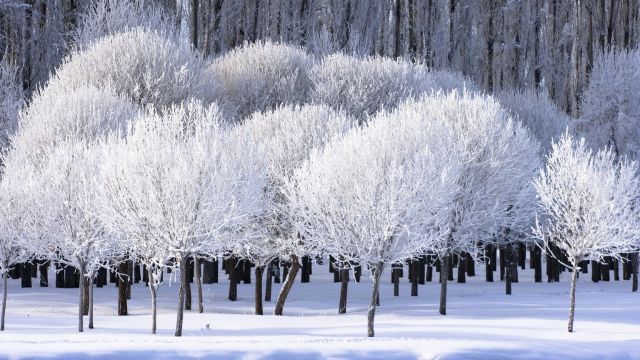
(483, 323)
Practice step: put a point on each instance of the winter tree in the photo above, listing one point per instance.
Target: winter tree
(108, 17)
(362, 197)
(495, 159)
(588, 206)
(260, 76)
(197, 183)
(364, 86)
(609, 107)
(544, 120)
(11, 101)
(286, 136)
(140, 64)
(72, 231)
(17, 194)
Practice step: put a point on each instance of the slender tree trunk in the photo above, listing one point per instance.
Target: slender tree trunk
(508, 268)
(90, 284)
(196, 265)
(395, 273)
(488, 263)
(444, 269)
(634, 270)
(286, 287)
(187, 283)
(122, 288)
(344, 286)
(81, 299)
(184, 281)
(232, 264)
(379, 267)
(267, 289)
(572, 298)
(154, 298)
(4, 296)
(413, 270)
(258, 289)
(86, 305)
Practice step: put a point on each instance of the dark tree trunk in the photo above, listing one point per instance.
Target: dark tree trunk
(122, 288)
(306, 270)
(508, 253)
(413, 270)
(184, 281)
(25, 275)
(444, 269)
(429, 270)
(231, 264)
(187, 278)
(395, 274)
(258, 294)
(207, 272)
(634, 270)
(488, 263)
(86, 296)
(503, 258)
(286, 287)
(4, 297)
(375, 298)
(90, 286)
(616, 271)
(82, 297)
(269, 282)
(246, 274)
(44, 273)
(536, 263)
(462, 268)
(596, 273)
(198, 278)
(136, 273)
(344, 286)
(471, 266)
(421, 271)
(59, 276)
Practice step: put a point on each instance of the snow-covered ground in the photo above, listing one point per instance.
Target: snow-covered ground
(482, 323)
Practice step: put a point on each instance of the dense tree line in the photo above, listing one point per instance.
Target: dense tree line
(138, 153)
(501, 45)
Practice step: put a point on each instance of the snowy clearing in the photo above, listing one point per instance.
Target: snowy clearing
(482, 323)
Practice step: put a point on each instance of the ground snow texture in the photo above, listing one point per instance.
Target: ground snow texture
(482, 323)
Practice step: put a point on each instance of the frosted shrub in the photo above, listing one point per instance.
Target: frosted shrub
(261, 76)
(140, 64)
(538, 114)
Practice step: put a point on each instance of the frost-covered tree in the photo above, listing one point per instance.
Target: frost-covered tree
(610, 115)
(589, 206)
(364, 86)
(140, 64)
(56, 115)
(183, 181)
(370, 196)
(286, 136)
(71, 230)
(17, 192)
(260, 76)
(495, 159)
(538, 114)
(11, 100)
(108, 17)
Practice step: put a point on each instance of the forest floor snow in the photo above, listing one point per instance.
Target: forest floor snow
(481, 323)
